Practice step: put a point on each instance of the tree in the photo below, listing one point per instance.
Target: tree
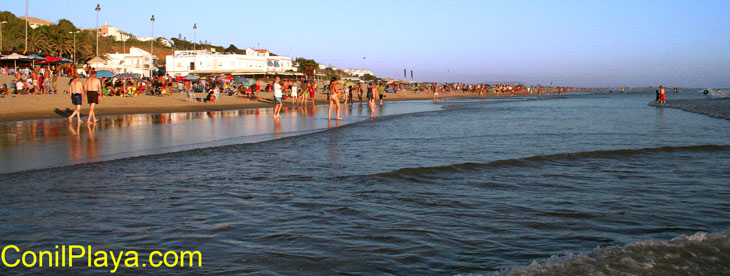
(232, 49)
(368, 77)
(301, 64)
(65, 26)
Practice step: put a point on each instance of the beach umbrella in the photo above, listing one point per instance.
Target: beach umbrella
(36, 57)
(104, 73)
(180, 78)
(191, 78)
(244, 81)
(125, 76)
(14, 56)
(348, 84)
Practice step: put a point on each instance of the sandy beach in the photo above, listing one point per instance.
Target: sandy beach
(26, 107)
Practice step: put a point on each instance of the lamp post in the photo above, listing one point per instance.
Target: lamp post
(26, 25)
(74, 45)
(195, 55)
(152, 42)
(98, 8)
(1, 34)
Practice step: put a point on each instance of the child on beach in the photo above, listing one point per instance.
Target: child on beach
(294, 93)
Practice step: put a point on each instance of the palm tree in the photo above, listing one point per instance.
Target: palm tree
(37, 42)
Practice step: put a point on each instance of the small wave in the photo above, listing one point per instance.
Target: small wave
(698, 254)
(543, 159)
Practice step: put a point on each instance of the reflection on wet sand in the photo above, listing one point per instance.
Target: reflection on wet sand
(35, 144)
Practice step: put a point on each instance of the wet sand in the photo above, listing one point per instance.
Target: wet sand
(26, 107)
(717, 108)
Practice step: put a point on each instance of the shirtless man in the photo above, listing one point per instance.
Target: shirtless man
(77, 97)
(662, 98)
(93, 86)
(333, 99)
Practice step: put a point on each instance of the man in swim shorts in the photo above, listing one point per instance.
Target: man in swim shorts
(662, 99)
(93, 86)
(77, 97)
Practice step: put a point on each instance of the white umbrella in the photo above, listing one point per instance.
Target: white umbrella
(15, 57)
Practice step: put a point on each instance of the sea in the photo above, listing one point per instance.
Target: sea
(580, 184)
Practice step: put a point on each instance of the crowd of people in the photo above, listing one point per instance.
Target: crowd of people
(34, 79)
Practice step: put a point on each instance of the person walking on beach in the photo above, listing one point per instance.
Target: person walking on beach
(77, 97)
(662, 98)
(93, 86)
(333, 95)
(277, 97)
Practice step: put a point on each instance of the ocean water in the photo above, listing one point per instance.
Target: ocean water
(582, 184)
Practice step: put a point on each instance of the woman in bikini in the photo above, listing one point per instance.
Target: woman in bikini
(333, 99)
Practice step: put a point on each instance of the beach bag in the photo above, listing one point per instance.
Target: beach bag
(284, 98)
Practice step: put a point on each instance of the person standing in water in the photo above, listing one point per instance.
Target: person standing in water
(381, 93)
(294, 92)
(77, 97)
(435, 93)
(359, 92)
(277, 97)
(662, 98)
(333, 93)
(93, 87)
(371, 98)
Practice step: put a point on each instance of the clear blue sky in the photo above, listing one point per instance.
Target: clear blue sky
(579, 43)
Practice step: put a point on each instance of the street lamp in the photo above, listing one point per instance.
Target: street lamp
(98, 8)
(74, 45)
(195, 55)
(26, 25)
(1, 34)
(152, 42)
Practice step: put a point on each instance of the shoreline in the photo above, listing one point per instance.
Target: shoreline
(58, 106)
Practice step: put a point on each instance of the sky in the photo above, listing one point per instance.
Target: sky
(591, 43)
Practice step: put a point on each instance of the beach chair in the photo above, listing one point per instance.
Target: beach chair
(217, 93)
(190, 96)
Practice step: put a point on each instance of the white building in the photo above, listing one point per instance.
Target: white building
(114, 32)
(137, 61)
(259, 61)
(36, 22)
(161, 40)
(358, 72)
